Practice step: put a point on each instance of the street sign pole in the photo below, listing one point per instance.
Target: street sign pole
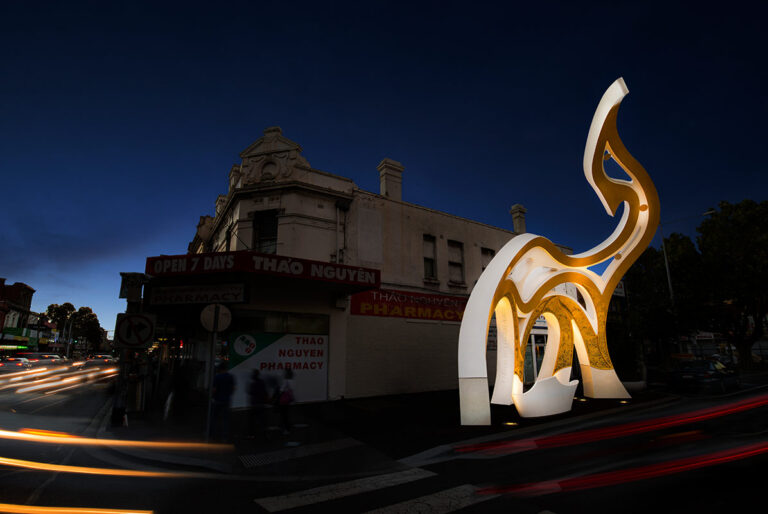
(211, 371)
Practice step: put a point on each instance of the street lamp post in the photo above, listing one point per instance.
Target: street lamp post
(68, 337)
(666, 266)
(664, 251)
(666, 262)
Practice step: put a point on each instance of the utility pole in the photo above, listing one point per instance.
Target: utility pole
(666, 264)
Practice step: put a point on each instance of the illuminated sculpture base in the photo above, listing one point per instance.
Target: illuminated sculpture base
(548, 396)
(602, 383)
(473, 401)
(531, 277)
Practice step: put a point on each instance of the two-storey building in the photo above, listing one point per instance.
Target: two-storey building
(358, 293)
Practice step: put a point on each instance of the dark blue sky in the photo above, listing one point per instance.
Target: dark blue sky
(119, 121)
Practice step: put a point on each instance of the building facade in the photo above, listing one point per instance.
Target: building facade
(16, 316)
(359, 293)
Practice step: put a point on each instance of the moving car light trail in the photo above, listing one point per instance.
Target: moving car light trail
(53, 378)
(32, 509)
(45, 436)
(622, 476)
(21, 375)
(39, 381)
(611, 432)
(67, 379)
(61, 468)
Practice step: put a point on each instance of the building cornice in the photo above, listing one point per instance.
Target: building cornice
(237, 195)
(434, 211)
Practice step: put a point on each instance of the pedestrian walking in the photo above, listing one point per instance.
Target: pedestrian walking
(259, 398)
(221, 401)
(284, 400)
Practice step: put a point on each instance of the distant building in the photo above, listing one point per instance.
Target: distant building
(15, 313)
(42, 333)
(360, 293)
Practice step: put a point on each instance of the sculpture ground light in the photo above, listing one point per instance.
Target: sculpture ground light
(520, 283)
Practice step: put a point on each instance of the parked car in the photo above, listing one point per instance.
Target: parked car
(11, 364)
(704, 375)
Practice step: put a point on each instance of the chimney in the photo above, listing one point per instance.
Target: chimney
(391, 179)
(518, 218)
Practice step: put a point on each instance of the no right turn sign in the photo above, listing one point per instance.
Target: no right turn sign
(134, 330)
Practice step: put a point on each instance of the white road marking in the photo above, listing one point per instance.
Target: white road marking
(341, 490)
(296, 452)
(448, 500)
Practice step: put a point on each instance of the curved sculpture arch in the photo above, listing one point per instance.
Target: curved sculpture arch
(521, 283)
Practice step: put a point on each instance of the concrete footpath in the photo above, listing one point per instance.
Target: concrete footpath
(343, 438)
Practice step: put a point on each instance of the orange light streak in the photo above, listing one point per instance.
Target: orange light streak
(99, 379)
(48, 383)
(44, 466)
(37, 379)
(29, 435)
(21, 374)
(40, 431)
(33, 509)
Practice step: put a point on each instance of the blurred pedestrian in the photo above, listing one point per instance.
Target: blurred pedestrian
(259, 398)
(221, 401)
(285, 399)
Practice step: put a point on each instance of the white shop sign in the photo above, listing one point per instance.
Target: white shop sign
(306, 355)
(176, 295)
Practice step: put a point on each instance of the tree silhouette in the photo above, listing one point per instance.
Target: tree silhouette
(721, 286)
(84, 323)
(59, 315)
(734, 247)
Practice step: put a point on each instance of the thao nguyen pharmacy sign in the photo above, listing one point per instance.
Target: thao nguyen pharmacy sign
(523, 282)
(306, 355)
(248, 261)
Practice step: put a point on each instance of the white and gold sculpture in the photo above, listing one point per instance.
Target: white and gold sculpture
(521, 283)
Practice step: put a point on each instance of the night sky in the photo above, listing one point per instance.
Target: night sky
(119, 121)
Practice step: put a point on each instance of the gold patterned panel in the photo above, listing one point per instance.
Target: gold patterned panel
(565, 309)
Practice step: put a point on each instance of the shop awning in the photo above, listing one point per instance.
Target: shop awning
(224, 277)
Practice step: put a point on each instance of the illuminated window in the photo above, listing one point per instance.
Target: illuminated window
(430, 265)
(456, 262)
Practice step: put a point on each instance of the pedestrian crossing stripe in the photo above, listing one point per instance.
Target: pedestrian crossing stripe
(448, 500)
(341, 490)
(264, 459)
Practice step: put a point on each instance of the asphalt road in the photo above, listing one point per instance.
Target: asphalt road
(696, 454)
(710, 465)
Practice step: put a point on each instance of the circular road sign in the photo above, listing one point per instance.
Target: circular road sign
(134, 330)
(209, 314)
